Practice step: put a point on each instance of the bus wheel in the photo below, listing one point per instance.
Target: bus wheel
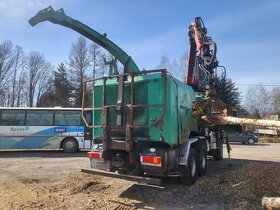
(70, 145)
(189, 172)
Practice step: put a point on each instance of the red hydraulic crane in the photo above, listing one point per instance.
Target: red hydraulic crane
(202, 59)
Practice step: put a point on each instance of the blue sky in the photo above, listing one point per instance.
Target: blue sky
(247, 32)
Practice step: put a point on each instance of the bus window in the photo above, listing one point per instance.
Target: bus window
(67, 118)
(88, 116)
(39, 117)
(13, 117)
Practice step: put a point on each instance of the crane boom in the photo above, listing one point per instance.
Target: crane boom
(59, 17)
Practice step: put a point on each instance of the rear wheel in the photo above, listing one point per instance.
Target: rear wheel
(202, 161)
(70, 145)
(189, 172)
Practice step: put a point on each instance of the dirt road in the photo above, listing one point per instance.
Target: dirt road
(51, 180)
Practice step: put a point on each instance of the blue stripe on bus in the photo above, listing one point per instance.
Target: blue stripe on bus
(35, 141)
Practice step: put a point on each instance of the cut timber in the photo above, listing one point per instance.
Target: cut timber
(246, 121)
(270, 203)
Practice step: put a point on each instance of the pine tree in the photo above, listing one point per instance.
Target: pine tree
(59, 90)
(62, 87)
(227, 91)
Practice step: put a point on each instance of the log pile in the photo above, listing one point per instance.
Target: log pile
(247, 121)
(271, 203)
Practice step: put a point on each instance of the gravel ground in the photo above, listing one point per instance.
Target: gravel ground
(51, 180)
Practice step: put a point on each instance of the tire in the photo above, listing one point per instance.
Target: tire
(70, 145)
(189, 172)
(202, 161)
(218, 153)
(251, 141)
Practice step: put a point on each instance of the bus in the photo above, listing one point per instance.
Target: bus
(44, 128)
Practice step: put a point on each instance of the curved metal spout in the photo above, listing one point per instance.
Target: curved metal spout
(59, 17)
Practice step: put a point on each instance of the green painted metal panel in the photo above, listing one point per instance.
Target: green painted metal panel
(149, 89)
(170, 126)
(186, 122)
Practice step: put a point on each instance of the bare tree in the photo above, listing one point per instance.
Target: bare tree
(21, 91)
(37, 69)
(177, 70)
(182, 67)
(44, 81)
(79, 63)
(275, 103)
(258, 101)
(164, 63)
(18, 64)
(6, 65)
(97, 61)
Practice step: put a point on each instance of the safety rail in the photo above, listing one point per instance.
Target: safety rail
(130, 106)
(127, 143)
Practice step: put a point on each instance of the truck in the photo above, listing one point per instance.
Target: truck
(147, 124)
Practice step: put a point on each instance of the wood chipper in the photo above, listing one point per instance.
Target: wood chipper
(148, 124)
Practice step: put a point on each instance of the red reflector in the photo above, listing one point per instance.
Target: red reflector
(94, 155)
(151, 159)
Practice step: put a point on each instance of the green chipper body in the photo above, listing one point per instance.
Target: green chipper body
(161, 108)
(143, 122)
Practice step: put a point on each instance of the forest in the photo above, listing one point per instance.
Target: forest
(28, 79)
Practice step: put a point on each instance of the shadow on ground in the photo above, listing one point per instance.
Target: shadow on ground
(40, 153)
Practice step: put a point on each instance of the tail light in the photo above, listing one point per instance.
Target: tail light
(150, 160)
(94, 155)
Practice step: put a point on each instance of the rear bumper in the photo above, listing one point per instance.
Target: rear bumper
(147, 180)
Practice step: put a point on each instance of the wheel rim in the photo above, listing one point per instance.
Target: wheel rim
(251, 141)
(193, 170)
(69, 145)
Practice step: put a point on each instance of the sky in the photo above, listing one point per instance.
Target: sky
(246, 32)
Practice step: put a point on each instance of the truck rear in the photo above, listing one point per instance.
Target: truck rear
(143, 126)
